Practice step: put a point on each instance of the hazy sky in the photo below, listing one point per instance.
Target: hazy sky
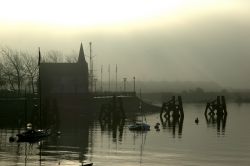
(172, 40)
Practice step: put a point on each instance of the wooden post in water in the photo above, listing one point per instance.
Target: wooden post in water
(218, 106)
(180, 106)
(172, 106)
(216, 112)
(224, 105)
(112, 110)
(172, 114)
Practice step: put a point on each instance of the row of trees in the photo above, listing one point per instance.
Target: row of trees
(19, 69)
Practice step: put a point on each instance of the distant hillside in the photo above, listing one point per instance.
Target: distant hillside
(198, 95)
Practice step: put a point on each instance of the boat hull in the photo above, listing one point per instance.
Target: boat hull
(32, 136)
(139, 127)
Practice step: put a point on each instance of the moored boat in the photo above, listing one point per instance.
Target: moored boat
(32, 135)
(139, 126)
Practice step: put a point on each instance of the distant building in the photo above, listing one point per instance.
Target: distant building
(65, 78)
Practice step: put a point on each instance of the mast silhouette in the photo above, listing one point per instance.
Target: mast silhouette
(116, 77)
(40, 88)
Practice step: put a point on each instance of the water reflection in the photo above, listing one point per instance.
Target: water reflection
(112, 117)
(114, 125)
(172, 115)
(29, 151)
(85, 140)
(173, 123)
(218, 122)
(72, 145)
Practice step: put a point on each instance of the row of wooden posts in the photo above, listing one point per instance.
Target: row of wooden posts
(174, 108)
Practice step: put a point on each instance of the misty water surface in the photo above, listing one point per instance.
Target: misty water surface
(106, 144)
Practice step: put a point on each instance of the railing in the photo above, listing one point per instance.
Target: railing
(102, 94)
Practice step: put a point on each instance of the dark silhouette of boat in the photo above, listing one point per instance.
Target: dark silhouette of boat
(197, 120)
(139, 126)
(32, 135)
(87, 164)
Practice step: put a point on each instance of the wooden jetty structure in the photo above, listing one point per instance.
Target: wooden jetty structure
(112, 110)
(172, 114)
(216, 113)
(217, 107)
(172, 108)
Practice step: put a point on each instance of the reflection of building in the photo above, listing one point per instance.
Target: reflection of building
(65, 78)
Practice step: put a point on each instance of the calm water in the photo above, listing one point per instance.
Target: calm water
(107, 144)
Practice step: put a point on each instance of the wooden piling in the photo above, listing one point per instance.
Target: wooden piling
(112, 110)
(172, 108)
(218, 106)
(172, 114)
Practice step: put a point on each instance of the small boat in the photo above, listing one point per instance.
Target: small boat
(157, 126)
(139, 127)
(197, 120)
(32, 135)
(87, 164)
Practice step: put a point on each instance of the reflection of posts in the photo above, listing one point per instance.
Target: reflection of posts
(216, 113)
(112, 115)
(219, 121)
(114, 126)
(171, 123)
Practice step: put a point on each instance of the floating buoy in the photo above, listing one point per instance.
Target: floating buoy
(12, 139)
(157, 126)
(197, 120)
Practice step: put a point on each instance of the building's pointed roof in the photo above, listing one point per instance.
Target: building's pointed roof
(81, 57)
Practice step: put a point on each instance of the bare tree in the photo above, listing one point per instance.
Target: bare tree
(71, 59)
(31, 69)
(53, 56)
(2, 78)
(13, 67)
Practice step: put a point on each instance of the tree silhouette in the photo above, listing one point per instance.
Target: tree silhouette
(13, 67)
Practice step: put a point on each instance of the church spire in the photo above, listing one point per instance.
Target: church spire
(81, 57)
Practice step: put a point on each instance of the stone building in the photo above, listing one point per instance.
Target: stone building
(65, 78)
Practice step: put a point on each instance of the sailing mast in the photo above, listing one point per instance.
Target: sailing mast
(140, 108)
(40, 88)
(91, 75)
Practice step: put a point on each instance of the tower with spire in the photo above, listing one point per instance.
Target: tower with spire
(83, 66)
(81, 58)
(65, 78)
